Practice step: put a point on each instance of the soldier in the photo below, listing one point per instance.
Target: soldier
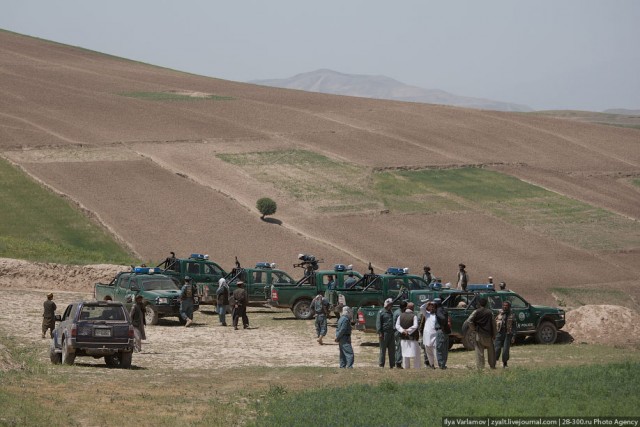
(503, 286)
(170, 262)
(398, 337)
(320, 306)
(240, 306)
(463, 277)
(386, 334)
(222, 301)
(505, 333)
(137, 321)
(49, 316)
(187, 295)
(343, 338)
(482, 323)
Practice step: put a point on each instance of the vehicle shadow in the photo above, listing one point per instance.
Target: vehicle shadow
(104, 366)
(285, 318)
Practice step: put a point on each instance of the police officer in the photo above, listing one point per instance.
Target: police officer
(385, 327)
(343, 338)
(49, 316)
(320, 306)
(240, 301)
(505, 333)
(187, 295)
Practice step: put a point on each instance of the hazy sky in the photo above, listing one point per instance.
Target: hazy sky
(547, 54)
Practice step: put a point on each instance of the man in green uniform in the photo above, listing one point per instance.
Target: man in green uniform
(49, 316)
(385, 327)
(240, 306)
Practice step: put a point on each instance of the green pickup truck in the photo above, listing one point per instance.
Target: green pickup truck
(258, 280)
(160, 293)
(204, 273)
(531, 320)
(297, 296)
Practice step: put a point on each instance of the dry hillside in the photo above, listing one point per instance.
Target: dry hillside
(148, 167)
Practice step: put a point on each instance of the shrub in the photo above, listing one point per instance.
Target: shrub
(266, 206)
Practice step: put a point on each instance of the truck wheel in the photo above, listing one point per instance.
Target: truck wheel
(469, 339)
(125, 359)
(67, 356)
(56, 358)
(151, 315)
(546, 333)
(302, 309)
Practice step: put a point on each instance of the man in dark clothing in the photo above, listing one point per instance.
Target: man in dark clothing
(482, 323)
(138, 321)
(398, 335)
(505, 332)
(350, 281)
(222, 301)
(240, 306)
(320, 306)
(443, 329)
(385, 327)
(427, 276)
(187, 301)
(49, 316)
(462, 278)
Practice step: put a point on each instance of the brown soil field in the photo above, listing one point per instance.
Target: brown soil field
(146, 168)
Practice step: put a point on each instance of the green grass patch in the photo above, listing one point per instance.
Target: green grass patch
(636, 182)
(169, 96)
(330, 186)
(40, 226)
(554, 392)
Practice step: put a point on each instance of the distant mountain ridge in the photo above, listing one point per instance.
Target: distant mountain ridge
(382, 87)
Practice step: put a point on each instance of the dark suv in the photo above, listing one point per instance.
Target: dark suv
(96, 329)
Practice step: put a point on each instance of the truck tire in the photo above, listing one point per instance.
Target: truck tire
(302, 309)
(546, 333)
(151, 315)
(67, 356)
(469, 339)
(125, 359)
(56, 358)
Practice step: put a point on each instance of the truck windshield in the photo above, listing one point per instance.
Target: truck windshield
(158, 284)
(417, 283)
(102, 312)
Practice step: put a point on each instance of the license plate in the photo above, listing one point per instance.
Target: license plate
(102, 332)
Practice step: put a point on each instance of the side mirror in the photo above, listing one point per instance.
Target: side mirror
(58, 318)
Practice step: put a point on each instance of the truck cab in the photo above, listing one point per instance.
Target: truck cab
(204, 273)
(373, 289)
(258, 280)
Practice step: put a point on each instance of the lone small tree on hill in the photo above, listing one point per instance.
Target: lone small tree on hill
(266, 206)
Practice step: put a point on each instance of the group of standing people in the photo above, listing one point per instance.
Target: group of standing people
(400, 334)
(493, 334)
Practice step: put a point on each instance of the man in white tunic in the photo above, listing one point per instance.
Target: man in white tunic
(428, 326)
(407, 326)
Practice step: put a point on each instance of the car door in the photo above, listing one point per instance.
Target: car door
(521, 313)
